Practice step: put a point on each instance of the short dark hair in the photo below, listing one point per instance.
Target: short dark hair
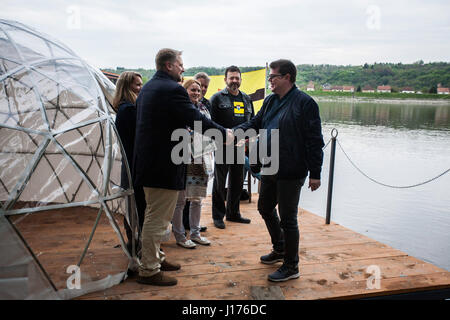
(166, 55)
(285, 67)
(232, 69)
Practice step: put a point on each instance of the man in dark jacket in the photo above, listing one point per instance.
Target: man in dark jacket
(296, 117)
(162, 107)
(229, 108)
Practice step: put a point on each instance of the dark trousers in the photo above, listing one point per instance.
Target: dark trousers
(233, 196)
(283, 230)
(186, 215)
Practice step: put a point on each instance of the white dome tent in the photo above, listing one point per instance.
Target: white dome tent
(60, 160)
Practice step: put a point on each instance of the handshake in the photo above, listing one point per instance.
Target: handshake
(230, 137)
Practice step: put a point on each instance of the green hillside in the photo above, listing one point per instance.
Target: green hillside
(419, 76)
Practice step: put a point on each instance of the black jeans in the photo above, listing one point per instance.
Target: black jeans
(283, 230)
(233, 196)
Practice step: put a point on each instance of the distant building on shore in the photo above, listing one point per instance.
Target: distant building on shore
(310, 86)
(384, 89)
(348, 89)
(337, 88)
(442, 90)
(368, 89)
(326, 87)
(408, 90)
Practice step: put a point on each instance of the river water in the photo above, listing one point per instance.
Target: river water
(397, 144)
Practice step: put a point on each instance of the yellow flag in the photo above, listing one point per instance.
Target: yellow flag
(253, 84)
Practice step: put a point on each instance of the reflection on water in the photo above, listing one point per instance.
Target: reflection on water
(411, 116)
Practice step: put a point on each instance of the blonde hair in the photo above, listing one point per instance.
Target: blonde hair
(123, 89)
(189, 83)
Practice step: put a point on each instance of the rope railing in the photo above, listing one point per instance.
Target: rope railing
(334, 134)
(385, 184)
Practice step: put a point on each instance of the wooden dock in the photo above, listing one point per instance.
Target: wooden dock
(333, 260)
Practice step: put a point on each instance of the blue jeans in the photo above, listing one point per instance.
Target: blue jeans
(283, 229)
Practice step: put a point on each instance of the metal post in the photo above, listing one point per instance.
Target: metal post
(334, 134)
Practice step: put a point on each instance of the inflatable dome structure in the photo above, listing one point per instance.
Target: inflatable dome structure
(61, 205)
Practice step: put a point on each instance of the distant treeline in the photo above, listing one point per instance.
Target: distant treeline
(419, 75)
(148, 73)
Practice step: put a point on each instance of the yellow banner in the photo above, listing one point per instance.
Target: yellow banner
(253, 84)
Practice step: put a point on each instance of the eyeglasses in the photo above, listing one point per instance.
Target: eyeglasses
(273, 75)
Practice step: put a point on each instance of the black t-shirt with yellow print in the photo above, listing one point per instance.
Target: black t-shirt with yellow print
(228, 110)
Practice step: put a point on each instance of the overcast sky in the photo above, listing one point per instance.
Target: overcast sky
(246, 33)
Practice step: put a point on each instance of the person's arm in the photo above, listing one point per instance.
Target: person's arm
(253, 109)
(126, 126)
(214, 101)
(186, 112)
(256, 121)
(312, 132)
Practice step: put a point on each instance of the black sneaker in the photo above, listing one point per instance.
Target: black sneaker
(219, 224)
(284, 273)
(239, 219)
(272, 257)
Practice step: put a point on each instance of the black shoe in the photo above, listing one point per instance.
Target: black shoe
(132, 273)
(272, 257)
(244, 195)
(239, 219)
(203, 228)
(219, 224)
(284, 273)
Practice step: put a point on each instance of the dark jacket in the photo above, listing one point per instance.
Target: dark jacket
(206, 103)
(222, 109)
(162, 107)
(222, 112)
(126, 128)
(301, 140)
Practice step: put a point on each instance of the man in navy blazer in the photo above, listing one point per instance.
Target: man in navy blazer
(162, 107)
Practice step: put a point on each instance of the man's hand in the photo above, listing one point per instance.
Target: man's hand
(314, 184)
(230, 137)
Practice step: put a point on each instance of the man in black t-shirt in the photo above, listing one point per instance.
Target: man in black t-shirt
(229, 107)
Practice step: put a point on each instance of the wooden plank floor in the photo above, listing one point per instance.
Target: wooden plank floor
(333, 262)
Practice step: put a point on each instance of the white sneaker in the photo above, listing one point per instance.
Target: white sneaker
(201, 240)
(188, 244)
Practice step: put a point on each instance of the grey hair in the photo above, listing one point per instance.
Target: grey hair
(202, 75)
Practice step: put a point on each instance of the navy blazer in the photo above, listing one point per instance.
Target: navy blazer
(162, 107)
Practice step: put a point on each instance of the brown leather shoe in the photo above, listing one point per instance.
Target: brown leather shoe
(158, 279)
(167, 266)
